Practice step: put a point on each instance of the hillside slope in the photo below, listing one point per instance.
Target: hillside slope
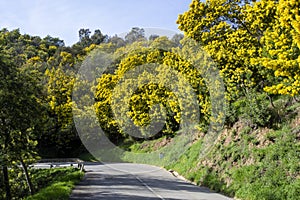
(249, 163)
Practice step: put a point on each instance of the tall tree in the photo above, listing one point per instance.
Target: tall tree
(221, 27)
(255, 43)
(19, 116)
(177, 38)
(97, 38)
(60, 138)
(135, 34)
(84, 35)
(153, 37)
(145, 101)
(280, 44)
(117, 42)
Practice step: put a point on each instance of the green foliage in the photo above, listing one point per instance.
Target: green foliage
(56, 183)
(156, 68)
(59, 191)
(135, 34)
(145, 146)
(192, 157)
(274, 176)
(45, 70)
(48, 183)
(60, 134)
(244, 169)
(259, 39)
(20, 113)
(253, 108)
(220, 27)
(256, 47)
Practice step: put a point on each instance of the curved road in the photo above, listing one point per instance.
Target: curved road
(126, 181)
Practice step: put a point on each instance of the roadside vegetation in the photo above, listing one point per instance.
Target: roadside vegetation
(48, 184)
(246, 162)
(60, 185)
(249, 163)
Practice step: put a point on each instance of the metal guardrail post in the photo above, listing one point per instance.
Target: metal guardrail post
(80, 163)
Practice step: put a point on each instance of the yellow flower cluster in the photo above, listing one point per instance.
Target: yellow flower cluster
(253, 43)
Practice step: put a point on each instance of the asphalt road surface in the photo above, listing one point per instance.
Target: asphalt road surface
(124, 181)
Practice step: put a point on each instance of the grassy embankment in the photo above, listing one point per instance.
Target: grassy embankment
(55, 183)
(48, 184)
(247, 162)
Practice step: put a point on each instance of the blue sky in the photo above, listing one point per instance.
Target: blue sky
(63, 18)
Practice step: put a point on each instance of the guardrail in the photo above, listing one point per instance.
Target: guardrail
(58, 162)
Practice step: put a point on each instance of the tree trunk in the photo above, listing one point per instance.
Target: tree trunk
(28, 180)
(6, 182)
(271, 101)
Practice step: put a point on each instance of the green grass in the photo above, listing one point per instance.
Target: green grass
(249, 163)
(141, 153)
(60, 185)
(60, 190)
(273, 173)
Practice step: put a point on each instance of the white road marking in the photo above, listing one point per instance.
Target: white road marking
(149, 188)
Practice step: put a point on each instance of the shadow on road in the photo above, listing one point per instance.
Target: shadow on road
(104, 182)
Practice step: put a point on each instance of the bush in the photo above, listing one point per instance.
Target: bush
(253, 108)
(53, 183)
(63, 180)
(274, 174)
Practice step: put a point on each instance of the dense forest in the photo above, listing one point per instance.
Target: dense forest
(255, 46)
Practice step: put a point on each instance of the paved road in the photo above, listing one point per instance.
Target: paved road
(136, 182)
